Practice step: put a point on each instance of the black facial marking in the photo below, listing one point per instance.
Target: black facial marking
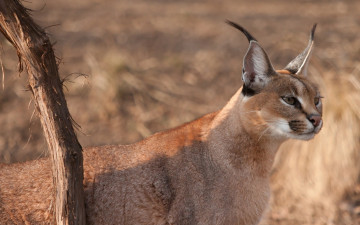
(297, 125)
(246, 91)
(297, 104)
(292, 71)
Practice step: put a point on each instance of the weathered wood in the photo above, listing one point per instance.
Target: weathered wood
(35, 52)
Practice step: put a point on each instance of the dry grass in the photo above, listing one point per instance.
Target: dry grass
(154, 65)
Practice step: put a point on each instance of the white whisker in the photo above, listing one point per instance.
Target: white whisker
(251, 111)
(262, 134)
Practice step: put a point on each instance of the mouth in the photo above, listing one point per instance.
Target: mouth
(307, 135)
(295, 130)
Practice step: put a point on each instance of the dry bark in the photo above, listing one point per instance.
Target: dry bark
(35, 52)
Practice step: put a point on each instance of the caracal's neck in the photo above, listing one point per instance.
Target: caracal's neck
(234, 142)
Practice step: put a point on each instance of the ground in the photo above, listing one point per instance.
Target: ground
(134, 67)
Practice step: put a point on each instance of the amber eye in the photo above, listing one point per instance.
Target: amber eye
(316, 100)
(289, 100)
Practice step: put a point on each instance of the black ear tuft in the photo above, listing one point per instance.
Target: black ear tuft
(300, 63)
(245, 32)
(312, 34)
(257, 68)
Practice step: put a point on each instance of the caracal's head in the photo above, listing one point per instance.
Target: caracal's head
(279, 103)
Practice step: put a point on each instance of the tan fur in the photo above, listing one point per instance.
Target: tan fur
(214, 170)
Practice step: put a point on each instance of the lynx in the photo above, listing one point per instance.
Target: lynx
(214, 170)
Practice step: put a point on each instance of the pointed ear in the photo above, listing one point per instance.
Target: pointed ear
(299, 64)
(257, 70)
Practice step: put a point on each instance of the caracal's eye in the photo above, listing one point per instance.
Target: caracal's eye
(289, 100)
(316, 100)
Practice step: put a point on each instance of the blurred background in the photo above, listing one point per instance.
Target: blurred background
(135, 67)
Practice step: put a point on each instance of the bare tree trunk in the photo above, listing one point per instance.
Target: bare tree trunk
(35, 51)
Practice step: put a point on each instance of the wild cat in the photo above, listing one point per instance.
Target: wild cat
(214, 170)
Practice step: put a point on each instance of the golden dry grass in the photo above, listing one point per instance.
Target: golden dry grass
(156, 64)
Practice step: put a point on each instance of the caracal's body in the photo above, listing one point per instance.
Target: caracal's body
(214, 170)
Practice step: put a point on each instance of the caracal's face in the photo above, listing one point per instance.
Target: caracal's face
(289, 107)
(283, 103)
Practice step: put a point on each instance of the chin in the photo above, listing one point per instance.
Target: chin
(305, 137)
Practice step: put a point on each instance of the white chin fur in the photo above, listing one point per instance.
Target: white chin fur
(305, 137)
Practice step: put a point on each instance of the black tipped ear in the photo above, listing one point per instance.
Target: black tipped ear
(299, 64)
(245, 32)
(257, 70)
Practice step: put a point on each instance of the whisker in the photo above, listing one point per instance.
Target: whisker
(277, 121)
(262, 134)
(251, 111)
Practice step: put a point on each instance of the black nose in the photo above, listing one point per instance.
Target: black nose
(315, 119)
